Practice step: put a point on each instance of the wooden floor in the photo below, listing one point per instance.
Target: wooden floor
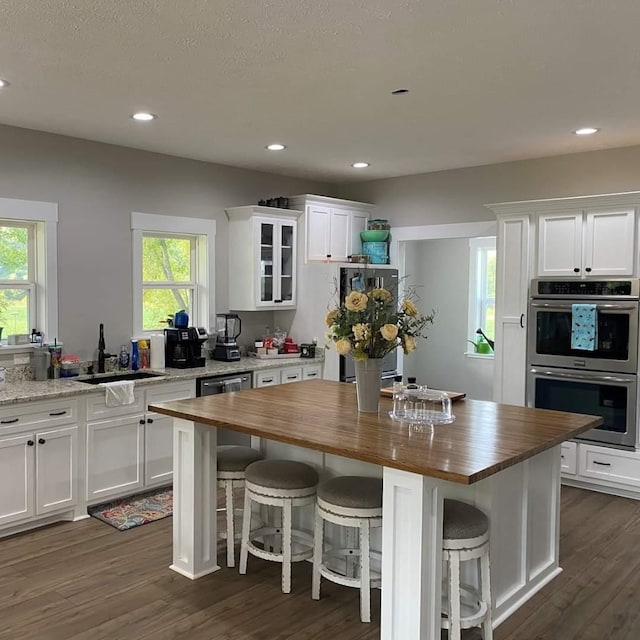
(88, 581)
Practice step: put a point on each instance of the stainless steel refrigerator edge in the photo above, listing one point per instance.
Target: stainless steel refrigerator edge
(367, 277)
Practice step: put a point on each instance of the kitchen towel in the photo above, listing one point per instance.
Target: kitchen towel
(156, 346)
(118, 393)
(584, 327)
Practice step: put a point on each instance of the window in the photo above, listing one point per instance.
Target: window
(173, 270)
(28, 269)
(482, 289)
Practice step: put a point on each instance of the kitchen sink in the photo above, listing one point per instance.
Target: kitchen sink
(116, 377)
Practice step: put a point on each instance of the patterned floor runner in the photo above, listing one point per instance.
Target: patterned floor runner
(126, 513)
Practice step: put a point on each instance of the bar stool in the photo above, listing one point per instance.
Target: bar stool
(284, 484)
(232, 462)
(465, 537)
(348, 501)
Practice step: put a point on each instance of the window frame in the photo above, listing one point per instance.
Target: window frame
(42, 217)
(478, 250)
(203, 231)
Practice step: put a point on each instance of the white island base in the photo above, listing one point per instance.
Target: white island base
(522, 503)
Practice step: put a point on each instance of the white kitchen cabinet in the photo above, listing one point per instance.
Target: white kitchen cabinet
(130, 448)
(512, 286)
(262, 258)
(38, 460)
(569, 458)
(285, 375)
(331, 226)
(587, 242)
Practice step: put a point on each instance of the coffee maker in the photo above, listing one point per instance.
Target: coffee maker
(228, 326)
(183, 347)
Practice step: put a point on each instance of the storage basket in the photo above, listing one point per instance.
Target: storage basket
(377, 252)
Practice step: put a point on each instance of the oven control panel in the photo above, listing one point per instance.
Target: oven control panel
(629, 288)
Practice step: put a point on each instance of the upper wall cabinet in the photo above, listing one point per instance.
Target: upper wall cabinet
(587, 242)
(331, 226)
(262, 258)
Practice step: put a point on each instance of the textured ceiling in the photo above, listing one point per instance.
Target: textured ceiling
(489, 80)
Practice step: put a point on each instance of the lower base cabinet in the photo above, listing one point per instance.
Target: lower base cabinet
(285, 375)
(615, 471)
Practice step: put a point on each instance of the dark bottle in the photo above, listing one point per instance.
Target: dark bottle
(411, 383)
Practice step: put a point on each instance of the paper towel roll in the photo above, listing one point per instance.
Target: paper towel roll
(157, 350)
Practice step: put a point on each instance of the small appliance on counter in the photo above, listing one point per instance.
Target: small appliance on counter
(183, 347)
(228, 327)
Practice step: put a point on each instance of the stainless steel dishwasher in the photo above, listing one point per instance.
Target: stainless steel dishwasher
(223, 384)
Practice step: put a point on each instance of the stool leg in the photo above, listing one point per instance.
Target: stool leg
(246, 526)
(228, 487)
(365, 572)
(318, 547)
(454, 596)
(487, 629)
(286, 547)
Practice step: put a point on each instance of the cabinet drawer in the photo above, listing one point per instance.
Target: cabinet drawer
(97, 408)
(612, 465)
(312, 372)
(170, 391)
(291, 374)
(568, 458)
(267, 378)
(37, 415)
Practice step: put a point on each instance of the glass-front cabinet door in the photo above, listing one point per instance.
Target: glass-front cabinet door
(277, 258)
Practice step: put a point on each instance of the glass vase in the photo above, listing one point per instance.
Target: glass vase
(368, 381)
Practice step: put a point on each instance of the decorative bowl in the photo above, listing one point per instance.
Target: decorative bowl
(374, 235)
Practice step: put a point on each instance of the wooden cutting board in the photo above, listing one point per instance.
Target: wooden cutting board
(454, 395)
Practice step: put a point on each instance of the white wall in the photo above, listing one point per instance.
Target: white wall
(441, 269)
(97, 186)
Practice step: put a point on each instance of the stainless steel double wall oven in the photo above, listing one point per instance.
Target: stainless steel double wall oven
(603, 381)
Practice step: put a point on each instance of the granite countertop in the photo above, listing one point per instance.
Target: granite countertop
(30, 390)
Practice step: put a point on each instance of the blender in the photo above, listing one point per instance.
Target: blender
(228, 326)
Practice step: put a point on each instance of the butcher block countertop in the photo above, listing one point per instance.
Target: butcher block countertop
(319, 414)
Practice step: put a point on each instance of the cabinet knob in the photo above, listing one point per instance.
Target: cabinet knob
(142, 421)
(150, 421)
(588, 269)
(576, 270)
(41, 440)
(30, 443)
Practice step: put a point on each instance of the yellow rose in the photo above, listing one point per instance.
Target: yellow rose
(408, 344)
(361, 331)
(330, 318)
(343, 346)
(380, 294)
(389, 331)
(356, 301)
(409, 308)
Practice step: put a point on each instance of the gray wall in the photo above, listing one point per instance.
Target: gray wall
(441, 269)
(460, 195)
(97, 186)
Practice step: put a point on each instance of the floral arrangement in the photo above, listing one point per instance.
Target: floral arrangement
(369, 324)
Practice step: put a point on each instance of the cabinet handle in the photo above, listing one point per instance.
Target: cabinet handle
(576, 270)
(267, 379)
(562, 456)
(141, 421)
(588, 269)
(12, 421)
(328, 255)
(277, 301)
(311, 375)
(602, 464)
(57, 413)
(30, 443)
(150, 421)
(41, 440)
(522, 320)
(292, 377)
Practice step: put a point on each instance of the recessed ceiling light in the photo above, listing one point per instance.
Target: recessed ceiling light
(399, 92)
(3, 83)
(360, 165)
(586, 131)
(143, 116)
(276, 146)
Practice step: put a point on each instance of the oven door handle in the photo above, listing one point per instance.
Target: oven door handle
(554, 306)
(589, 377)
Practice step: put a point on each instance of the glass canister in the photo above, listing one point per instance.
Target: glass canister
(422, 405)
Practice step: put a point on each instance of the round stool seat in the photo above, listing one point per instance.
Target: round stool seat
(281, 474)
(352, 492)
(463, 521)
(236, 458)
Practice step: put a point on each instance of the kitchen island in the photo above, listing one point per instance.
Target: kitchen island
(505, 459)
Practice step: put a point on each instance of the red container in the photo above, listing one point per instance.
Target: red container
(290, 347)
